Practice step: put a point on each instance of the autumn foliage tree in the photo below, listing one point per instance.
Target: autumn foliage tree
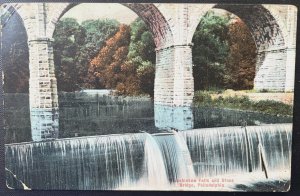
(75, 45)
(139, 68)
(242, 57)
(105, 69)
(126, 62)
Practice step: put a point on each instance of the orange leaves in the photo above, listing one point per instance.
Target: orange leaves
(105, 68)
(113, 68)
(241, 61)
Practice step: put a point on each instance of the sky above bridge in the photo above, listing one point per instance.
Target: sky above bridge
(88, 11)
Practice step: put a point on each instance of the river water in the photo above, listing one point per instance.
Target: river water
(127, 151)
(82, 115)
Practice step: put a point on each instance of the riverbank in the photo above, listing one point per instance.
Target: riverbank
(284, 97)
(269, 103)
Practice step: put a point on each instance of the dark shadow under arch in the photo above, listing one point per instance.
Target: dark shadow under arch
(15, 78)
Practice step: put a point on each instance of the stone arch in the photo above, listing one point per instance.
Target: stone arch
(25, 15)
(263, 26)
(173, 27)
(269, 37)
(42, 83)
(10, 10)
(149, 13)
(14, 19)
(9, 23)
(258, 18)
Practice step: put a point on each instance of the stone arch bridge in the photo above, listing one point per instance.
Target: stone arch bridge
(273, 28)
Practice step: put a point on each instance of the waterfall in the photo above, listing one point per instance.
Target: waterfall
(155, 169)
(158, 161)
(176, 156)
(154, 173)
(188, 170)
(87, 163)
(232, 150)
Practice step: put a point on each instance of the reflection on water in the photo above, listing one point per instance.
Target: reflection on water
(82, 115)
(168, 117)
(245, 156)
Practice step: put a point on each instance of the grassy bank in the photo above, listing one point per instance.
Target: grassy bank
(206, 98)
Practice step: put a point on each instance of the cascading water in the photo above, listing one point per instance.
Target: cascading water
(158, 161)
(176, 156)
(188, 170)
(154, 170)
(87, 163)
(240, 150)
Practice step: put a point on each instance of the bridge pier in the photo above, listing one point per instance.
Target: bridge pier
(174, 88)
(271, 70)
(275, 70)
(290, 69)
(273, 29)
(43, 96)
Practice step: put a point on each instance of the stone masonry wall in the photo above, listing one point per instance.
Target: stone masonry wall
(273, 28)
(42, 90)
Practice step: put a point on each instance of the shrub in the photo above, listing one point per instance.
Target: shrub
(203, 98)
(273, 107)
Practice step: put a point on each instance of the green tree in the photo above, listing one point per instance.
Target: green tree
(141, 42)
(142, 56)
(75, 46)
(15, 75)
(210, 51)
(146, 76)
(68, 36)
(97, 32)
